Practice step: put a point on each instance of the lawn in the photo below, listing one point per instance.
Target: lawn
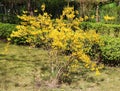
(20, 70)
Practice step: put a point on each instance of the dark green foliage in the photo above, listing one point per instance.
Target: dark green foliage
(13, 19)
(54, 7)
(111, 50)
(95, 53)
(6, 30)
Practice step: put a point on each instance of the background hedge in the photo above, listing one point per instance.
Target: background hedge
(103, 29)
(111, 50)
(6, 29)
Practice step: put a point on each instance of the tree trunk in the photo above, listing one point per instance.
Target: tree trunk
(12, 8)
(97, 13)
(5, 10)
(29, 8)
(68, 3)
(83, 9)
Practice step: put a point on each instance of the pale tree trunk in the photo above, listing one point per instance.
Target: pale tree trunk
(83, 9)
(29, 8)
(12, 10)
(68, 3)
(97, 13)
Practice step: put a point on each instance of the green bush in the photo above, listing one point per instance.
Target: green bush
(118, 14)
(111, 50)
(6, 30)
(104, 29)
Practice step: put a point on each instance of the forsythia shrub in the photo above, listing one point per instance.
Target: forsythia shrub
(60, 34)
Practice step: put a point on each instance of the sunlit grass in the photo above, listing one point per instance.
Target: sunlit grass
(20, 64)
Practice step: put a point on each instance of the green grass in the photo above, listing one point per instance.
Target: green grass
(20, 66)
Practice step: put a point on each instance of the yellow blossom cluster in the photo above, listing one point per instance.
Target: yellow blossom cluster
(107, 18)
(85, 18)
(92, 17)
(68, 12)
(43, 7)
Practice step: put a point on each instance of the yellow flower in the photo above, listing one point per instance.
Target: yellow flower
(86, 18)
(87, 65)
(25, 12)
(43, 7)
(92, 69)
(107, 18)
(35, 10)
(92, 17)
(97, 72)
(81, 19)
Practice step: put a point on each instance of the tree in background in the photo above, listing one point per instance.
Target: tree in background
(55, 7)
(86, 6)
